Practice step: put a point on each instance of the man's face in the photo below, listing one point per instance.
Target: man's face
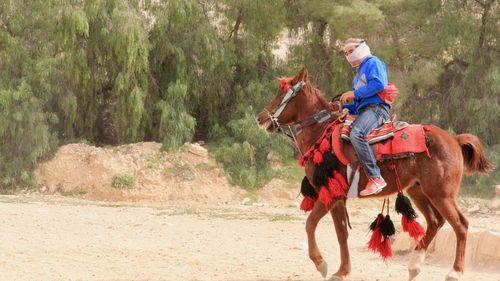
(348, 50)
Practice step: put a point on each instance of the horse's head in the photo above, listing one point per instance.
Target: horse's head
(284, 109)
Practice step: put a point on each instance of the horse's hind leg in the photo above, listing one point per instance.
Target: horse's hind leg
(446, 204)
(340, 221)
(434, 222)
(317, 213)
(449, 210)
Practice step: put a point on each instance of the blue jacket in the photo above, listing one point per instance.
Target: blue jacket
(370, 80)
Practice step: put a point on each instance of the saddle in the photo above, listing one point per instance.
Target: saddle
(383, 132)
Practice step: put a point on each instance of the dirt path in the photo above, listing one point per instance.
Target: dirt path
(66, 239)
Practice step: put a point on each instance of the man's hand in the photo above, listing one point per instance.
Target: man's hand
(347, 97)
(334, 106)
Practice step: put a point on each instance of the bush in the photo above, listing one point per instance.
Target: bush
(123, 181)
(244, 154)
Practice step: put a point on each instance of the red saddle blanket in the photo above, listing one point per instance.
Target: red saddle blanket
(410, 139)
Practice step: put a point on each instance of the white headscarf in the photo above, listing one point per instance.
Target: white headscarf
(359, 54)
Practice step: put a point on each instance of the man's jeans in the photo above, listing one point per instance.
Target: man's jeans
(369, 118)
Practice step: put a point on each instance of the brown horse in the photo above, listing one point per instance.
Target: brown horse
(432, 183)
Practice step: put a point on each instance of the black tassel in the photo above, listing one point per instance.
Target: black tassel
(403, 206)
(373, 225)
(387, 227)
(325, 169)
(320, 176)
(330, 162)
(307, 189)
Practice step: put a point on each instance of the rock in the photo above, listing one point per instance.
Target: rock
(247, 201)
(495, 203)
(474, 209)
(497, 190)
(197, 149)
(258, 204)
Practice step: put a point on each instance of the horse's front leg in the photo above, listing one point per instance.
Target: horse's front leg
(318, 212)
(340, 221)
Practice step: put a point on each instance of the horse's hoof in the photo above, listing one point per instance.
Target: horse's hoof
(413, 273)
(336, 278)
(417, 259)
(323, 268)
(453, 276)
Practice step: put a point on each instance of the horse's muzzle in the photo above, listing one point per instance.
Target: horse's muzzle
(264, 121)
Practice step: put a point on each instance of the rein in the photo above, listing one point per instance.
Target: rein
(292, 131)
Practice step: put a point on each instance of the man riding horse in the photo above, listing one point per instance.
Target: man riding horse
(430, 161)
(372, 111)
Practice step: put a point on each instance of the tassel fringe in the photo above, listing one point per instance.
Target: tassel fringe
(383, 229)
(387, 227)
(404, 207)
(324, 196)
(325, 146)
(414, 229)
(307, 204)
(408, 219)
(332, 184)
(376, 239)
(318, 157)
(385, 249)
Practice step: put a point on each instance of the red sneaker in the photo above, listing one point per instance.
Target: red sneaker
(374, 186)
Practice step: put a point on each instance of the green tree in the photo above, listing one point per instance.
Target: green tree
(25, 91)
(102, 79)
(248, 30)
(448, 52)
(25, 134)
(324, 25)
(187, 50)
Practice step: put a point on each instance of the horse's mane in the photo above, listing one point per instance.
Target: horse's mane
(320, 95)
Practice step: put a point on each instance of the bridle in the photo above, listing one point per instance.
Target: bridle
(292, 92)
(293, 130)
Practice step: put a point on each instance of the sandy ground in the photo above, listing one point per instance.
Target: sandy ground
(182, 220)
(61, 238)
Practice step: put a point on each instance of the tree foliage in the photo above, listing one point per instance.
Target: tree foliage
(172, 71)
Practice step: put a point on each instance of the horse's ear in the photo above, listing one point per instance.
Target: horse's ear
(302, 76)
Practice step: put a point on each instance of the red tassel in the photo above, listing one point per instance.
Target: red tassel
(385, 249)
(336, 189)
(304, 159)
(284, 85)
(307, 204)
(404, 223)
(324, 196)
(318, 157)
(324, 146)
(375, 241)
(340, 179)
(414, 229)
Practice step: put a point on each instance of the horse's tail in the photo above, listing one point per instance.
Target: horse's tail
(475, 159)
